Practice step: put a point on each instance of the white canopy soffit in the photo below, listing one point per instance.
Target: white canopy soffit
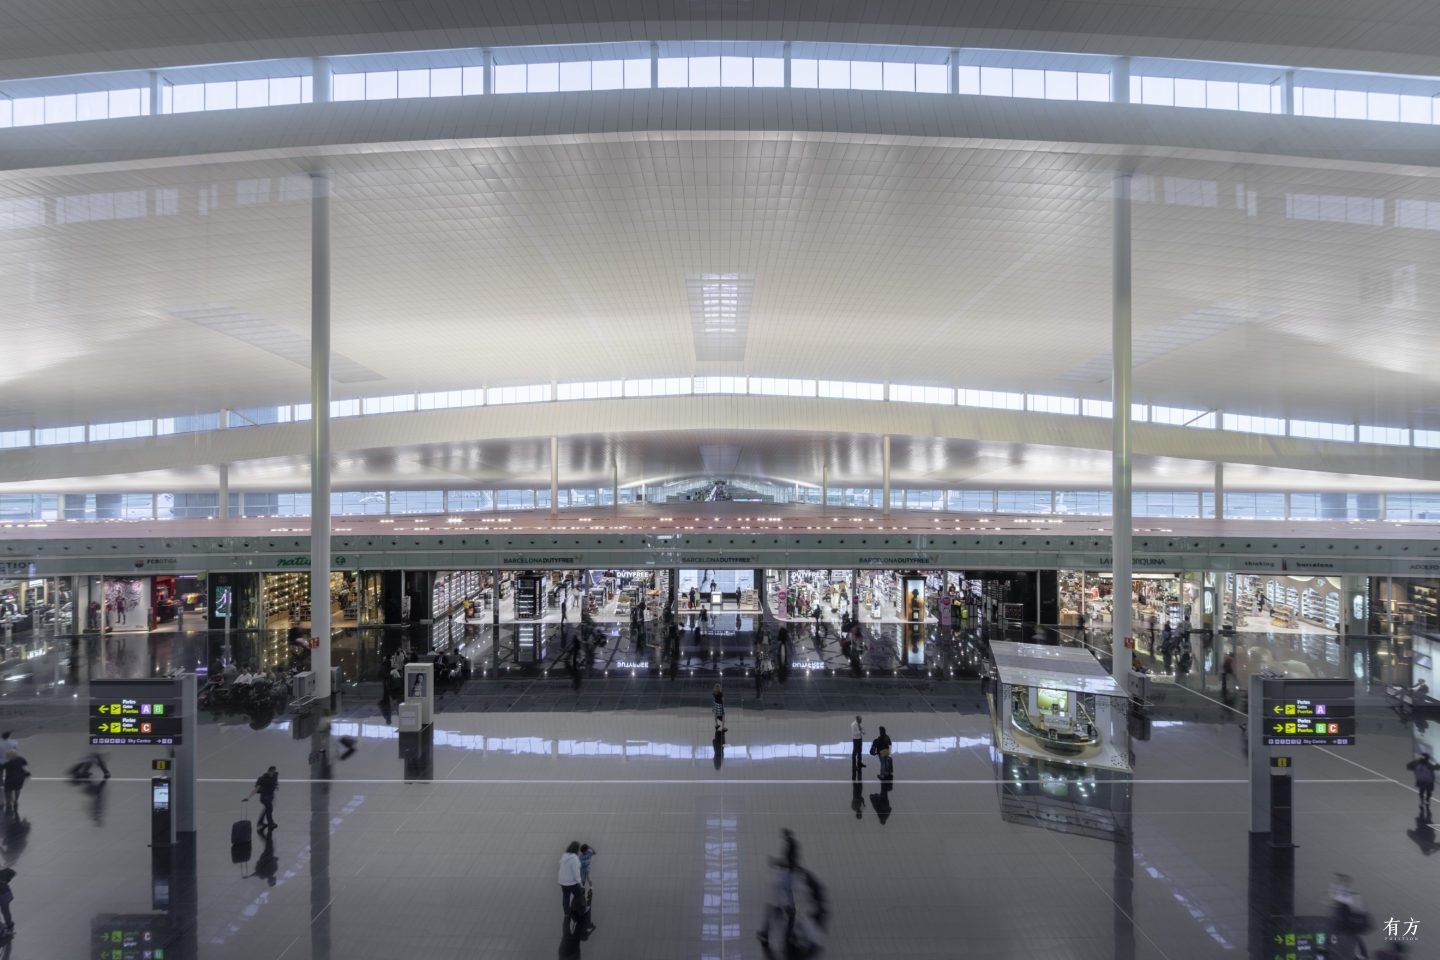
(69, 36)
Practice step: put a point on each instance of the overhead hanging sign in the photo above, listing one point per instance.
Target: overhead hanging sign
(1309, 713)
(134, 712)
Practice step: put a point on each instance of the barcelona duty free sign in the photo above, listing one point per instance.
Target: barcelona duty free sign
(124, 712)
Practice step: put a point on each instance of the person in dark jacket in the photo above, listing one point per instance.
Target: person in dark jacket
(14, 773)
(1422, 766)
(6, 896)
(266, 785)
(718, 701)
(880, 747)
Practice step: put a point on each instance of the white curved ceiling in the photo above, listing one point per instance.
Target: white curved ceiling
(70, 36)
(945, 264)
(1262, 286)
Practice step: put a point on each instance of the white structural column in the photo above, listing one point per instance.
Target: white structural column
(885, 474)
(320, 431)
(1219, 490)
(1120, 80)
(156, 93)
(224, 492)
(554, 475)
(321, 74)
(824, 484)
(1123, 529)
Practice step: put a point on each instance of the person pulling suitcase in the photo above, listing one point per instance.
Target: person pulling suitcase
(266, 785)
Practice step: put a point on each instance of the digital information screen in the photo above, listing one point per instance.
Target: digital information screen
(128, 712)
(1309, 713)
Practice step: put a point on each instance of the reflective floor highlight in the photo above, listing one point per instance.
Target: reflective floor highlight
(966, 853)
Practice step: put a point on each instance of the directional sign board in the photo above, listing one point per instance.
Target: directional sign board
(134, 712)
(141, 936)
(1299, 938)
(1309, 713)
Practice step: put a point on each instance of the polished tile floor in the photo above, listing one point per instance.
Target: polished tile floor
(966, 855)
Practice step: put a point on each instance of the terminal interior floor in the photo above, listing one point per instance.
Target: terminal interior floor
(965, 854)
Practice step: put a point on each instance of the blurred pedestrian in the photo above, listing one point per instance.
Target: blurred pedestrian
(15, 773)
(1424, 770)
(718, 701)
(6, 897)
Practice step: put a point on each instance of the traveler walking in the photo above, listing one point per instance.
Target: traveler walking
(718, 701)
(587, 891)
(6, 896)
(15, 774)
(880, 747)
(571, 898)
(779, 902)
(1227, 674)
(266, 785)
(1349, 914)
(857, 736)
(1424, 770)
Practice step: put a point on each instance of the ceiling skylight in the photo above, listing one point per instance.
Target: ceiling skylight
(720, 313)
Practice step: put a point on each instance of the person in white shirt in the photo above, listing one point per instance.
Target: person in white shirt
(857, 737)
(570, 894)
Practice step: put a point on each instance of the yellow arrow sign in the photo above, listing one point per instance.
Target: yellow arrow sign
(1277, 709)
(1277, 727)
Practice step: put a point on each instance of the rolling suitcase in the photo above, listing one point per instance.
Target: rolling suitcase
(240, 829)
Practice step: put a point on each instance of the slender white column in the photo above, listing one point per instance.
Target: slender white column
(824, 484)
(321, 75)
(320, 431)
(885, 474)
(156, 93)
(1120, 82)
(1123, 528)
(1219, 490)
(554, 475)
(224, 491)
